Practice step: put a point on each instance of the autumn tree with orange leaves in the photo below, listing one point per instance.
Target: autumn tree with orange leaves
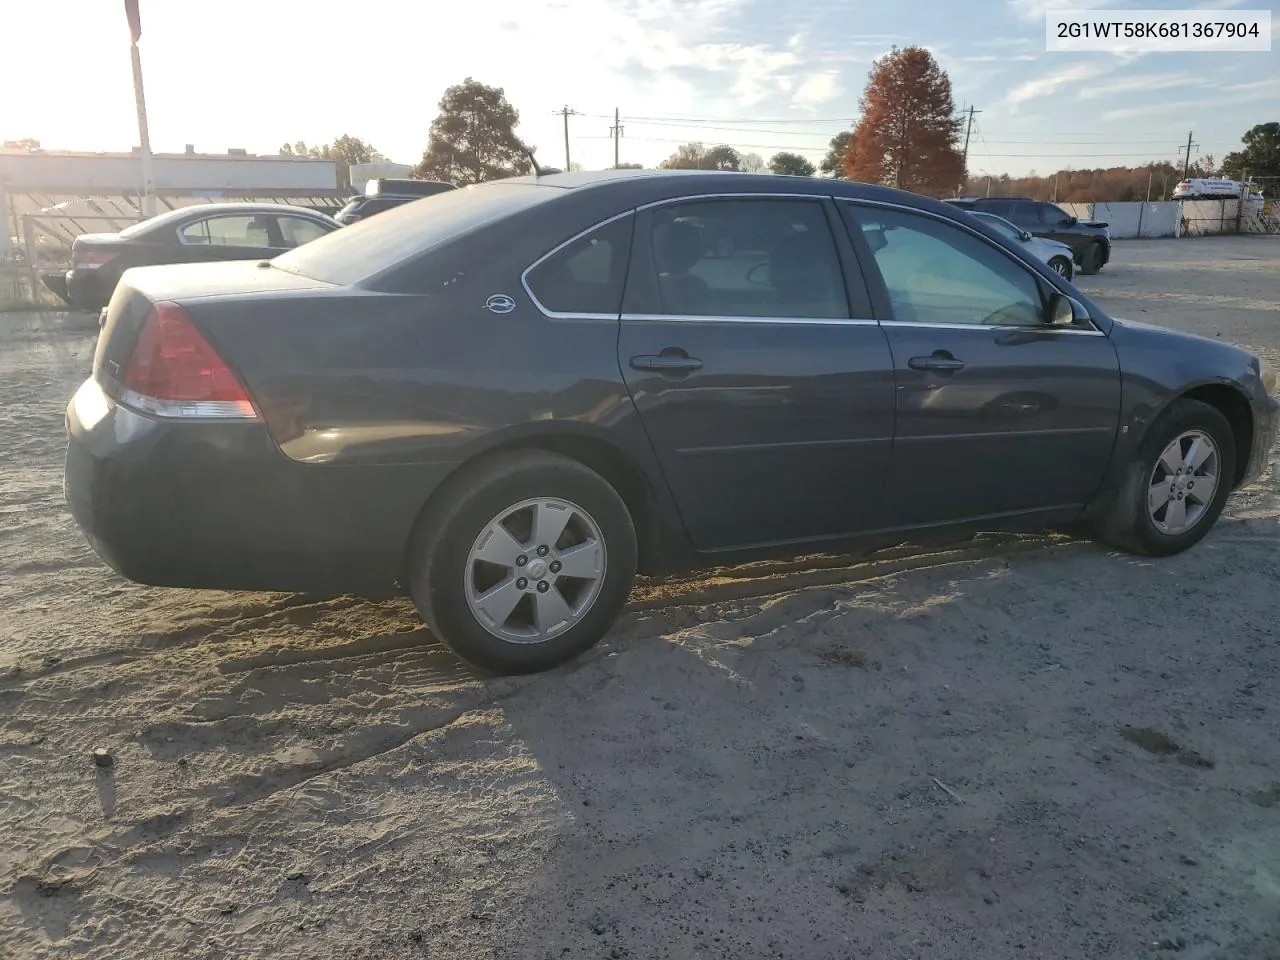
(908, 134)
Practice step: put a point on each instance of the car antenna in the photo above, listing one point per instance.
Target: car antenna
(537, 170)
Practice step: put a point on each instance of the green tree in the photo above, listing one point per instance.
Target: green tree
(791, 165)
(1260, 156)
(344, 151)
(473, 139)
(694, 156)
(833, 163)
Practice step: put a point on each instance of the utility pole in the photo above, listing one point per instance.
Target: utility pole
(967, 130)
(144, 138)
(566, 113)
(616, 132)
(1186, 161)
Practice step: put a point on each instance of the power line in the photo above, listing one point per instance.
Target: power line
(817, 147)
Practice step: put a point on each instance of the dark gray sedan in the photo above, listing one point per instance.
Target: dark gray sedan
(509, 398)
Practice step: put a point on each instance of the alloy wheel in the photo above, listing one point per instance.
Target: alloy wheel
(535, 570)
(1183, 482)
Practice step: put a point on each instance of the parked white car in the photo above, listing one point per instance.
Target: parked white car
(1056, 255)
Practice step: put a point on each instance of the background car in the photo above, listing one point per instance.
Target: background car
(1056, 255)
(507, 400)
(203, 232)
(384, 193)
(1089, 240)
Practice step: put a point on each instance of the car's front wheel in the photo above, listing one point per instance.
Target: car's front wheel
(1178, 484)
(524, 562)
(1062, 266)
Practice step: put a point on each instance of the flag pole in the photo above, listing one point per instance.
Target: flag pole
(144, 138)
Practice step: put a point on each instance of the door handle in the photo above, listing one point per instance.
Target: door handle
(666, 363)
(935, 362)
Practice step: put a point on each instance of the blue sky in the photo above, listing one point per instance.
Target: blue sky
(759, 74)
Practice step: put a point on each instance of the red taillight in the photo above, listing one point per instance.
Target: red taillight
(93, 258)
(173, 370)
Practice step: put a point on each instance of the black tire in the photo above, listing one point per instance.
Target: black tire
(1125, 521)
(439, 549)
(1091, 259)
(1062, 266)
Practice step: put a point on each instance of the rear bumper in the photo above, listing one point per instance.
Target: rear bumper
(1266, 426)
(89, 289)
(215, 505)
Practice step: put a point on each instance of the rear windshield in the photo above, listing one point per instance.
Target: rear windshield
(368, 247)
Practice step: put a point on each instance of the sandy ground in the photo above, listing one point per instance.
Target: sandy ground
(1014, 748)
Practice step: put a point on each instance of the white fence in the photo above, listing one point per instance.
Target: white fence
(1179, 218)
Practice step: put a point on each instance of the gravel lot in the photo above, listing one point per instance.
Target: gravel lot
(1022, 747)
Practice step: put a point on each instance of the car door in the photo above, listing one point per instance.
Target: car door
(998, 412)
(233, 236)
(763, 383)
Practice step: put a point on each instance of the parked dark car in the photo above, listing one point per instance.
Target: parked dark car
(207, 231)
(385, 193)
(508, 399)
(1089, 240)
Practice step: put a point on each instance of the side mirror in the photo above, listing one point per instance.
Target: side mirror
(1069, 221)
(1026, 235)
(1066, 311)
(876, 240)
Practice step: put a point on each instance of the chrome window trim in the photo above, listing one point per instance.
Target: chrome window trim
(753, 195)
(1045, 328)
(559, 315)
(810, 321)
(1017, 258)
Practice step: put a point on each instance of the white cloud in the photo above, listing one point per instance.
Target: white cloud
(1140, 84)
(818, 88)
(1179, 107)
(1050, 83)
(1255, 85)
(1033, 11)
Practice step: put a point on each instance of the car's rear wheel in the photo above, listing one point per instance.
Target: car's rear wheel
(1177, 486)
(1062, 266)
(524, 563)
(1091, 259)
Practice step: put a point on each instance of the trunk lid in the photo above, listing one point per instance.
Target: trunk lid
(140, 287)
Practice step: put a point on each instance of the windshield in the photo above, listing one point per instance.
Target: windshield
(1003, 227)
(368, 247)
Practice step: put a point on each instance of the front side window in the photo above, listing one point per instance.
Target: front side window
(1052, 216)
(936, 272)
(745, 258)
(587, 275)
(241, 231)
(295, 231)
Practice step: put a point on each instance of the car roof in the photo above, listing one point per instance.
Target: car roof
(166, 219)
(659, 185)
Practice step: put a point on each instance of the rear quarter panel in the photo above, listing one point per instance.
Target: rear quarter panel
(419, 369)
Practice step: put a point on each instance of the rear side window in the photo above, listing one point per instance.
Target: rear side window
(744, 258)
(243, 231)
(587, 275)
